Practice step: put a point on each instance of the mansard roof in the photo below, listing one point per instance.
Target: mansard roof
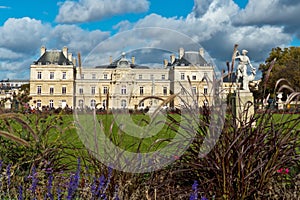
(114, 65)
(53, 57)
(190, 58)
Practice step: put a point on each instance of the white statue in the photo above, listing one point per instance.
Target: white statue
(242, 69)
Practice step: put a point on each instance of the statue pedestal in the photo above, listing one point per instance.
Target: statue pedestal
(7, 104)
(244, 107)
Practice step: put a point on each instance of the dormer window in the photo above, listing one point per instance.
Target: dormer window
(123, 63)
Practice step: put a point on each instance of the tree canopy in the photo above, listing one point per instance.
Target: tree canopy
(286, 65)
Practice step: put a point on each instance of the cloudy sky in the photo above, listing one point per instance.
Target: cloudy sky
(102, 28)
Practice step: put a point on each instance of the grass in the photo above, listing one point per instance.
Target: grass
(52, 142)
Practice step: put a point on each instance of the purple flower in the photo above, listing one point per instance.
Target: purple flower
(58, 192)
(49, 188)
(108, 179)
(20, 196)
(74, 181)
(101, 184)
(194, 195)
(94, 188)
(203, 198)
(1, 163)
(8, 174)
(33, 176)
(116, 197)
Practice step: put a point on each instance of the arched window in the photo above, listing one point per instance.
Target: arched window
(80, 103)
(123, 103)
(93, 103)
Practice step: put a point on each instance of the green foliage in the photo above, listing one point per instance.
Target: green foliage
(287, 66)
(34, 140)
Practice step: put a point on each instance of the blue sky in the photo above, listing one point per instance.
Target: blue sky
(82, 25)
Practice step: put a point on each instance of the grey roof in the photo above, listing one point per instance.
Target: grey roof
(53, 57)
(191, 58)
(113, 66)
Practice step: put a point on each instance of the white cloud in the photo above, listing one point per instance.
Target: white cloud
(22, 38)
(92, 10)
(215, 24)
(4, 7)
(7, 54)
(276, 12)
(123, 26)
(76, 38)
(23, 34)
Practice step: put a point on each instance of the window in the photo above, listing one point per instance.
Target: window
(140, 76)
(93, 90)
(51, 105)
(142, 104)
(194, 90)
(93, 76)
(105, 90)
(105, 76)
(141, 90)
(51, 75)
(39, 75)
(123, 90)
(123, 103)
(64, 90)
(64, 75)
(182, 91)
(38, 103)
(205, 90)
(163, 77)
(182, 76)
(80, 103)
(151, 77)
(80, 90)
(63, 103)
(82, 76)
(93, 103)
(194, 77)
(51, 89)
(39, 89)
(165, 90)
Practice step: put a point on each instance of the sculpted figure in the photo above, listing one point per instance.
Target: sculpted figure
(244, 62)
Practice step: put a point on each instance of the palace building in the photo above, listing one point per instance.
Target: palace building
(56, 81)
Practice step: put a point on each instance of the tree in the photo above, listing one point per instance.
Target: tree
(287, 66)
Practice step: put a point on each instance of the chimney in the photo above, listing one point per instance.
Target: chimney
(65, 51)
(201, 52)
(172, 58)
(181, 52)
(133, 60)
(165, 62)
(74, 61)
(43, 50)
(110, 60)
(70, 56)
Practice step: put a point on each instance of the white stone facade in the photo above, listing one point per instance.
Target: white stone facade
(123, 84)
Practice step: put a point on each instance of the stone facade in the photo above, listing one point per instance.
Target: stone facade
(122, 83)
(52, 79)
